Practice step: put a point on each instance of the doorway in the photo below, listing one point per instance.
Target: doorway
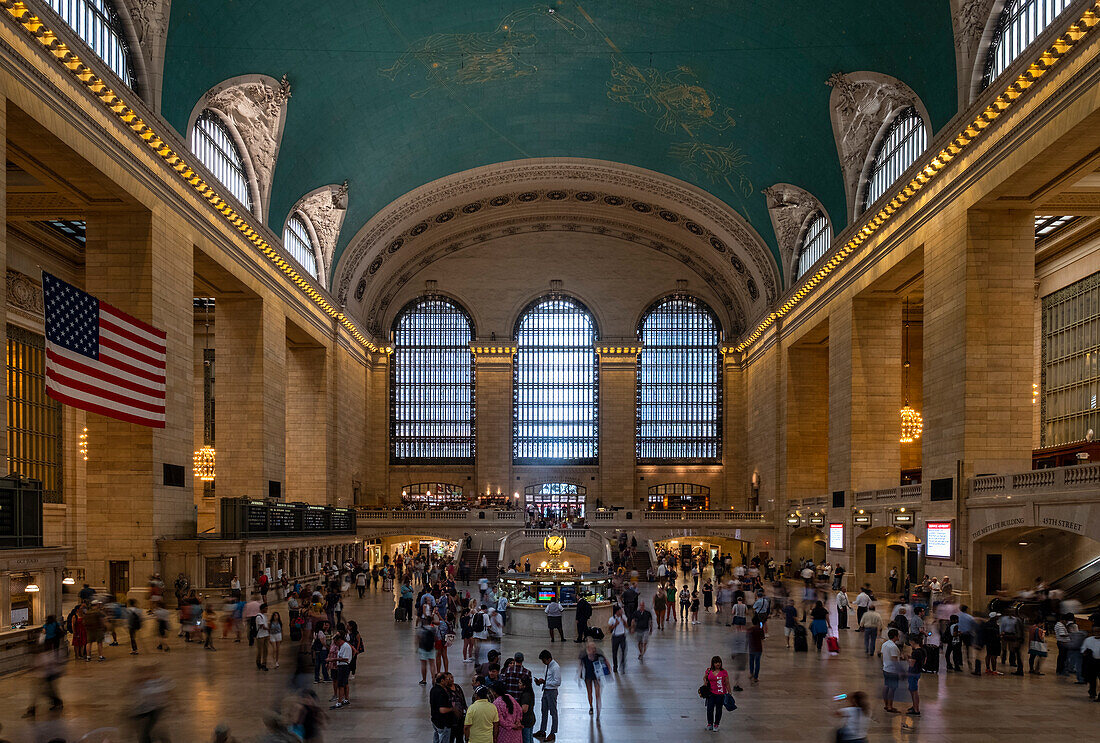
(119, 578)
(992, 574)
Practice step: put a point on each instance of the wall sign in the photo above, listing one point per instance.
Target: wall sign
(938, 542)
(836, 536)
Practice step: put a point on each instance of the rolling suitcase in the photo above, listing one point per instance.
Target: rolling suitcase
(833, 644)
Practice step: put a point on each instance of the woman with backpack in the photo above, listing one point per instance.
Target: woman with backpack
(717, 684)
(425, 647)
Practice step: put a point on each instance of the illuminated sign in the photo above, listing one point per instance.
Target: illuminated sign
(818, 520)
(862, 519)
(903, 518)
(938, 540)
(836, 536)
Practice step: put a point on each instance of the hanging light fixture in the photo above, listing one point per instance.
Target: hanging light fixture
(204, 464)
(912, 425)
(32, 588)
(82, 444)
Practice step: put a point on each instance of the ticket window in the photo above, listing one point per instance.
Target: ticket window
(21, 602)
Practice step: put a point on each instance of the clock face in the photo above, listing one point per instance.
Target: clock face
(554, 543)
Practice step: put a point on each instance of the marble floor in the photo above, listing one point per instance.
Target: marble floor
(653, 700)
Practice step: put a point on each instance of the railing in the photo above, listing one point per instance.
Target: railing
(1056, 479)
(902, 492)
(703, 516)
(603, 515)
(367, 517)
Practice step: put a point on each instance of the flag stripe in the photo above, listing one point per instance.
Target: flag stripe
(154, 335)
(127, 334)
(79, 364)
(127, 352)
(110, 393)
(143, 419)
(141, 376)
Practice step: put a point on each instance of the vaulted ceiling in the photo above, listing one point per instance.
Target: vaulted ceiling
(729, 96)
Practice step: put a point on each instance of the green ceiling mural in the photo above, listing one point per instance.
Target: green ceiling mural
(727, 94)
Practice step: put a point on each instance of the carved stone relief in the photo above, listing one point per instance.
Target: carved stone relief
(256, 107)
(861, 102)
(325, 208)
(970, 19)
(150, 25)
(24, 295)
(789, 206)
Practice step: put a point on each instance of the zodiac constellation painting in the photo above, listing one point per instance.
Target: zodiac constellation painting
(675, 99)
(716, 163)
(484, 56)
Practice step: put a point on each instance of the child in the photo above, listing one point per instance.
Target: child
(695, 607)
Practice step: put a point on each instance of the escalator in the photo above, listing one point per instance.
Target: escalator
(1082, 584)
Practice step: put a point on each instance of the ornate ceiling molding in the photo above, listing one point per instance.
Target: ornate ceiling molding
(973, 22)
(860, 106)
(790, 207)
(383, 294)
(255, 107)
(324, 209)
(723, 244)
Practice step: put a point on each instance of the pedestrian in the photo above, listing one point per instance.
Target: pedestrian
(685, 604)
(482, 723)
(756, 650)
(209, 621)
(591, 668)
(819, 623)
(892, 666)
(708, 596)
(659, 608)
(1090, 658)
(133, 624)
(583, 614)
(916, 659)
(991, 639)
(361, 582)
(96, 624)
(526, 700)
(717, 682)
(275, 636)
(441, 708)
(841, 609)
(790, 621)
(319, 646)
(857, 718)
(1037, 650)
(640, 626)
(871, 624)
(510, 716)
(342, 672)
(262, 634)
(695, 607)
(48, 667)
(553, 613)
(425, 648)
(550, 684)
(617, 629)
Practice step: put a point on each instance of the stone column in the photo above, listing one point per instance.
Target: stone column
(738, 483)
(493, 392)
(807, 408)
(378, 431)
(865, 395)
(618, 402)
(4, 269)
(141, 263)
(250, 343)
(307, 472)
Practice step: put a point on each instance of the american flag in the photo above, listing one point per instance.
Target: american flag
(100, 359)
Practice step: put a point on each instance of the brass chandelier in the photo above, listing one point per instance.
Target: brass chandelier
(912, 425)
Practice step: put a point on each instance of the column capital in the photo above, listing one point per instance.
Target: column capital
(612, 352)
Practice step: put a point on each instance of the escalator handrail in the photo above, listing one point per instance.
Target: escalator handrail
(1093, 565)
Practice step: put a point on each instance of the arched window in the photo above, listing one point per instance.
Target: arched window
(555, 368)
(815, 243)
(214, 146)
(432, 383)
(679, 496)
(297, 240)
(555, 500)
(1020, 23)
(98, 25)
(679, 383)
(902, 144)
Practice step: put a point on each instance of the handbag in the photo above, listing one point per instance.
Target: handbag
(729, 704)
(1038, 647)
(704, 691)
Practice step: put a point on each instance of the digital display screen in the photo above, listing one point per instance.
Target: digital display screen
(938, 542)
(569, 594)
(836, 536)
(546, 594)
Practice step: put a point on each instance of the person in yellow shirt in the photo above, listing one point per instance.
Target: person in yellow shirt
(482, 718)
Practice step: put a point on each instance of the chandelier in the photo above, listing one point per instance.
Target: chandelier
(912, 425)
(82, 444)
(204, 464)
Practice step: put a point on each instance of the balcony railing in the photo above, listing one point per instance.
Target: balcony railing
(511, 519)
(902, 492)
(1084, 477)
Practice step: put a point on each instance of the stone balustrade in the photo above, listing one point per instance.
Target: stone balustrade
(1037, 482)
(366, 517)
(900, 493)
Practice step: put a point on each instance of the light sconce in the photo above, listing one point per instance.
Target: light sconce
(204, 463)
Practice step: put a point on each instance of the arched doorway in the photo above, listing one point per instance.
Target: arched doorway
(1008, 564)
(881, 550)
(807, 543)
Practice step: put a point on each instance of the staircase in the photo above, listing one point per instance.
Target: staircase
(639, 560)
(476, 572)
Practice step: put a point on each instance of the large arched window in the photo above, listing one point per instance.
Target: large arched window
(297, 240)
(1020, 23)
(815, 243)
(679, 383)
(432, 383)
(98, 26)
(555, 368)
(214, 146)
(904, 141)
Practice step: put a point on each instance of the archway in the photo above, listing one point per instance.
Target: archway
(881, 550)
(1008, 564)
(807, 543)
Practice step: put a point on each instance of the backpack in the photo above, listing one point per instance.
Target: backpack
(134, 620)
(426, 640)
(479, 622)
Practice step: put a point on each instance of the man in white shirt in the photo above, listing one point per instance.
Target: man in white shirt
(553, 612)
(891, 669)
(616, 627)
(261, 638)
(550, 684)
(863, 600)
(1090, 659)
(342, 672)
